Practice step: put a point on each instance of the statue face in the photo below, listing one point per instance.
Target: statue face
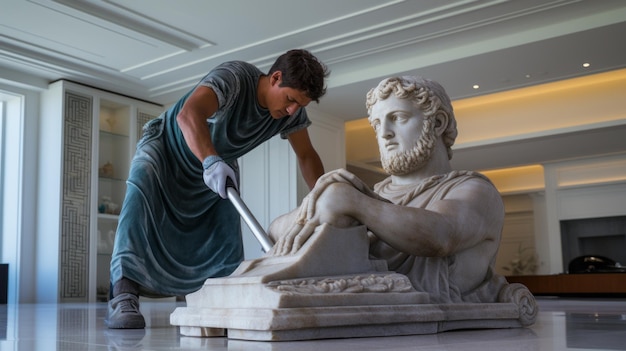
(399, 125)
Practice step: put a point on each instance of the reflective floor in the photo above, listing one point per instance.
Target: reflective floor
(562, 324)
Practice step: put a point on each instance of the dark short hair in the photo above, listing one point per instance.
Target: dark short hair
(302, 71)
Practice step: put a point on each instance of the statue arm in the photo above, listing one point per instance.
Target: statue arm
(471, 213)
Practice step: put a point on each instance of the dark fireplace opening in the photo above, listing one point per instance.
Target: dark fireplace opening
(603, 237)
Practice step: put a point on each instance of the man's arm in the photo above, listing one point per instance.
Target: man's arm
(201, 105)
(192, 120)
(308, 159)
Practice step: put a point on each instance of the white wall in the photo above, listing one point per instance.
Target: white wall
(328, 137)
(518, 235)
(48, 220)
(585, 188)
(575, 189)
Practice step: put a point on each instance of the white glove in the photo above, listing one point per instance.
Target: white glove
(218, 175)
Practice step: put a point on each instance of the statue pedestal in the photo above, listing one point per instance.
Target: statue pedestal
(331, 289)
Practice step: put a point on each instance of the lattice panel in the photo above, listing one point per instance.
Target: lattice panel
(142, 118)
(75, 226)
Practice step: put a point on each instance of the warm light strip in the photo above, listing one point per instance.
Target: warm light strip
(517, 179)
(586, 81)
(526, 178)
(567, 84)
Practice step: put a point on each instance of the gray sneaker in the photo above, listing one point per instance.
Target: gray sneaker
(124, 313)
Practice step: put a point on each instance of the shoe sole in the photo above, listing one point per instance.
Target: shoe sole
(126, 325)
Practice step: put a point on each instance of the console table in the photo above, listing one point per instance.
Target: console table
(573, 284)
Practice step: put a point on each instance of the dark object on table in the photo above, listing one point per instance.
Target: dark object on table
(594, 264)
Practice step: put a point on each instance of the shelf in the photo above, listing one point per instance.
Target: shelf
(108, 217)
(112, 134)
(111, 179)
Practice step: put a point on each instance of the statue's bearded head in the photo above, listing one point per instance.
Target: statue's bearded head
(403, 162)
(411, 98)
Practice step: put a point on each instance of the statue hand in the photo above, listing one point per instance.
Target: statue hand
(291, 242)
(333, 208)
(336, 176)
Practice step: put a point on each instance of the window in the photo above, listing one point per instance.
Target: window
(11, 125)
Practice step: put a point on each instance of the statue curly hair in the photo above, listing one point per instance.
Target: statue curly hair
(427, 95)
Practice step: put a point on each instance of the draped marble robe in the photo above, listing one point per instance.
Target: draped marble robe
(173, 231)
(434, 275)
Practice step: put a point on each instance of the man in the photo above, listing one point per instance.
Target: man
(439, 227)
(174, 232)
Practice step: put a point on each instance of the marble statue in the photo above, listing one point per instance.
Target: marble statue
(413, 255)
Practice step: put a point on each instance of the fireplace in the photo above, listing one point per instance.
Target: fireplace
(605, 237)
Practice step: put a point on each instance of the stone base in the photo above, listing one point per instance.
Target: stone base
(343, 322)
(330, 289)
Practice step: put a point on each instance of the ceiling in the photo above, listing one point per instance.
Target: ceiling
(156, 50)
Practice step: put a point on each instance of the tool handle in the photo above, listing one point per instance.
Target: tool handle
(253, 224)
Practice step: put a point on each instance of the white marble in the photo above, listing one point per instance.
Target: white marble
(331, 289)
(562, 324)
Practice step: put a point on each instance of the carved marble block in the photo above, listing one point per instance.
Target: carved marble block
(331, 289)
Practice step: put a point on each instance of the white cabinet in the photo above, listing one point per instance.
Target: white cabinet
(90, 140)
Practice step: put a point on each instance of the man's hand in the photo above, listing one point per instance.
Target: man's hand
(217, 175)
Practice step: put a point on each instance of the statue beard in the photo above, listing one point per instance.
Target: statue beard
(410, 160)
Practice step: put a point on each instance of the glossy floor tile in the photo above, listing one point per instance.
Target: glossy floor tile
(562, 324)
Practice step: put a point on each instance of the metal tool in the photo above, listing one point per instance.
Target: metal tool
(253, 224)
